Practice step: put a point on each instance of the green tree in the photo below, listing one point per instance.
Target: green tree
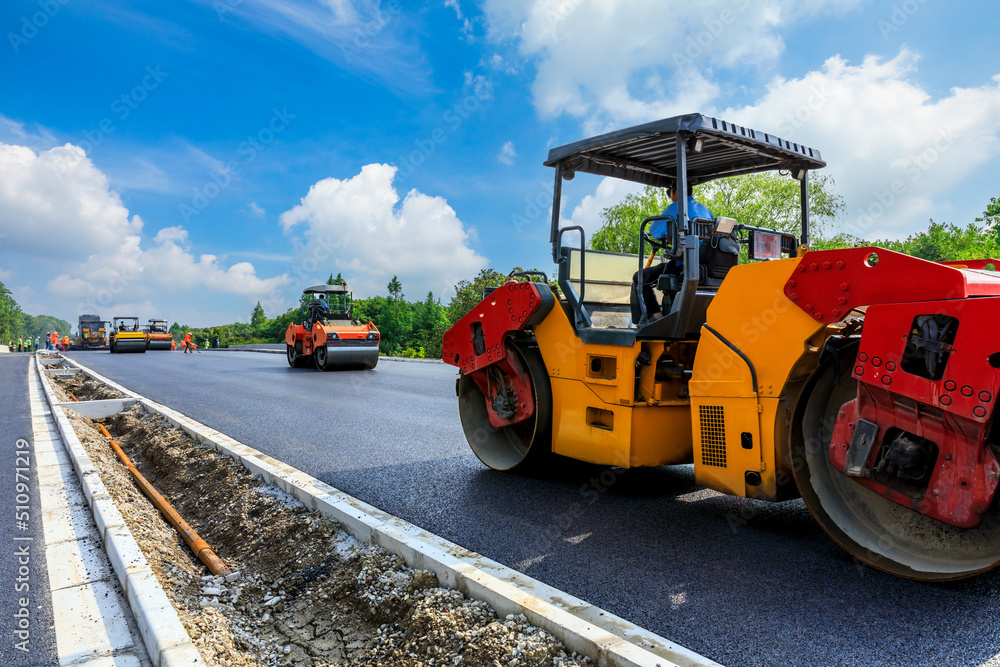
(468, 293)
(257, 318)
(11, 317)
(768, 200)
(339, 280)
(945, 241)
(396, 320)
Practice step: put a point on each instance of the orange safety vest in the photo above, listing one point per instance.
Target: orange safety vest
(65, 340)
(54, 338)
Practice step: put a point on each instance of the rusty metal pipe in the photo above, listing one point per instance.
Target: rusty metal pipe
(200, 548)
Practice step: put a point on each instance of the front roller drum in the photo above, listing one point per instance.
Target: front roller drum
(346, 357)
(159, 345)
(520, 447)
(130, 345)
(872, 528)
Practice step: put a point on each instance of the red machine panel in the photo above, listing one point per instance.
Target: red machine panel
(477, 340)
(827, 284)
(928, 377)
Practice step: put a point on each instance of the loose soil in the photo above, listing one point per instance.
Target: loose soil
(306, 593)
(82, 386)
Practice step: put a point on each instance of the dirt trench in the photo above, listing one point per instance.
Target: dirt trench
(307, 593)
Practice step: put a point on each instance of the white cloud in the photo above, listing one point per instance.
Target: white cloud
(256, 209)
(893, 150)
(587, 213)
(454, 5)
(359, 226)
(507, 153)
(57, 204)
(58, 211)
(625, 61)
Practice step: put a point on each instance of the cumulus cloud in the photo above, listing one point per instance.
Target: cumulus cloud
(587, 213)
(359, 226)
(56, 203)
(625, 61)
(58, 210)
(893, 150)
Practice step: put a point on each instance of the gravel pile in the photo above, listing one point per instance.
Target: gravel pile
(305, 592)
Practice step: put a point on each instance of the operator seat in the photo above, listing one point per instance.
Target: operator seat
(716, 257)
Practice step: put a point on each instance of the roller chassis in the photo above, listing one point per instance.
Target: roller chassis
(862, 380)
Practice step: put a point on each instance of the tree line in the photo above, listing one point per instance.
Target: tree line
(14, 322)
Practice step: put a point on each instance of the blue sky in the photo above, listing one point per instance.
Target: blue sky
(188, 159)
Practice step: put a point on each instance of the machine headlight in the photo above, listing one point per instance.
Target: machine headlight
(332, 336)
(372, 336)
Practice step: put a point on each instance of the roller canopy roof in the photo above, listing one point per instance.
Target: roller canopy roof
(327, 289)
(648, 153)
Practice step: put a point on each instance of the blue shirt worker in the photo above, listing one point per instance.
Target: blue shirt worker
(650, 275)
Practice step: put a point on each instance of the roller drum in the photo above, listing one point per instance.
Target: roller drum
(123, 345)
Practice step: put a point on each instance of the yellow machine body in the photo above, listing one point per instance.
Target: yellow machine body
(719, 419)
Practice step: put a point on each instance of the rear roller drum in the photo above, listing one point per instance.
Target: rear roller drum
(523, 446)
(872, 528)
(295, 358)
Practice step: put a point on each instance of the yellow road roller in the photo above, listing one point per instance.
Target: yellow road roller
(861, 380)
(126, 336)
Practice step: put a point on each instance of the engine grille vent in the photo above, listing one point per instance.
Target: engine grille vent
(713, 435)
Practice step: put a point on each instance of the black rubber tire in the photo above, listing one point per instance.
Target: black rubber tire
(291, 355)
(321, 357)
(872, 528)
(523, 447)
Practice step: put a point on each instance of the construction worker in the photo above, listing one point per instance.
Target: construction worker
(173, 345)
(65, 344)
(187, 343)
(36, 343)
(53, 340)
(20, 343)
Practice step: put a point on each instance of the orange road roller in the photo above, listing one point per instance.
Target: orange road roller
(861, 380)
(158, 335)
(331, 338)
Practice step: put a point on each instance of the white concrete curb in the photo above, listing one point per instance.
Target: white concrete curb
(582, 627)
(167, 642)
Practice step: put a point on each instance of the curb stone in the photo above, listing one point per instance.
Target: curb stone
(167, 642)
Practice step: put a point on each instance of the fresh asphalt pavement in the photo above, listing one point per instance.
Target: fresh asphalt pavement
(23, 570)
(740, 581)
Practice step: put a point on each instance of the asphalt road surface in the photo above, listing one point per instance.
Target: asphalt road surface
(740, 581)
(19, 533)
